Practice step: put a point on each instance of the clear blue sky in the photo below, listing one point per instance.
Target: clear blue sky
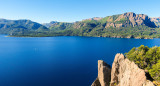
(74, 10)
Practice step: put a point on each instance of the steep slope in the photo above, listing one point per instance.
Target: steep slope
(156, 21)
(115, 21)
(19, 26)
(133, 19)
(127, 25)
(49, 24)
(148, 59)
(123, 73)
(58, 26)
(123, 20)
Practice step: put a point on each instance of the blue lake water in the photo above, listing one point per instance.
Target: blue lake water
(59, 61)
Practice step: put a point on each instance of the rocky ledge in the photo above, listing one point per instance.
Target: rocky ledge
(123, 73)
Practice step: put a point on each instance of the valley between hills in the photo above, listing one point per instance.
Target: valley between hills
(127, 25)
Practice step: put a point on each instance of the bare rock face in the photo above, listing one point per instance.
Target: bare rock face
(123, 73)
(113, 25)
(148, 83)
(104, 74)
(136, 19)
(156, 21)
(96, 83)
(115, 69)
(110, 25)
(126, 73)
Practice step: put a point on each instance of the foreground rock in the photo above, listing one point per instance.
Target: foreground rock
(123, 73)
(104, 74)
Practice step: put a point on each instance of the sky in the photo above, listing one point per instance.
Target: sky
(44, 11)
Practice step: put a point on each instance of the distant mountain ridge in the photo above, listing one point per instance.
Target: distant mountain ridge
(156, 21)
(95, 18)
(121, 20)
(127, 25)
(57, 26)
(126, 19)
(10, 26)
(49, 24)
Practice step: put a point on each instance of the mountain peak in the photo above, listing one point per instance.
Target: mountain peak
(52, 22)
(135, 19)
(94, 18)
(129, 13)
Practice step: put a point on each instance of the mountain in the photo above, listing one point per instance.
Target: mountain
(156, 21)
(58, 26)
(127, 25)
(124, 20)
(49, 24)
(95, 18)
(20, 26)
(115, 21)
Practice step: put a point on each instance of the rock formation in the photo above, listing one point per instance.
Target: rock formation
(156, 21)
(104, 70)
(104, 74)
(136, 19)
(123, 73)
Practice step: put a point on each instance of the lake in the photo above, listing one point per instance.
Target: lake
(59, 61)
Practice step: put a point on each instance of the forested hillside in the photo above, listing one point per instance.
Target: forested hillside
(127, 25)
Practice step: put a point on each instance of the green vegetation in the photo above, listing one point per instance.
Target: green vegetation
(155, 71)
(116, 26)
(20, 26)
(97, 29)
(147, 58)
(60, 26)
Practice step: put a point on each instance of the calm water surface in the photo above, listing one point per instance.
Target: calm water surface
(58, 61)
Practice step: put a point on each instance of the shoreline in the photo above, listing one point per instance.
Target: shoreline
(80, 36)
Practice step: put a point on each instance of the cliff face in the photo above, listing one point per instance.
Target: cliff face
(135, 19)
(123, 73)
(156, 21)
(104, 74)
(122, 20)
(128, 19)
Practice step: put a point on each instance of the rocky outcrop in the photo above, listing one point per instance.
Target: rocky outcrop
(113, 25)
(121, 21)
(104, 74)
(129, 19)
(104, 70)
(136, 19)
(156, 21)
(148, 83)
(123, 73)
(127, 73)
(96, 83)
